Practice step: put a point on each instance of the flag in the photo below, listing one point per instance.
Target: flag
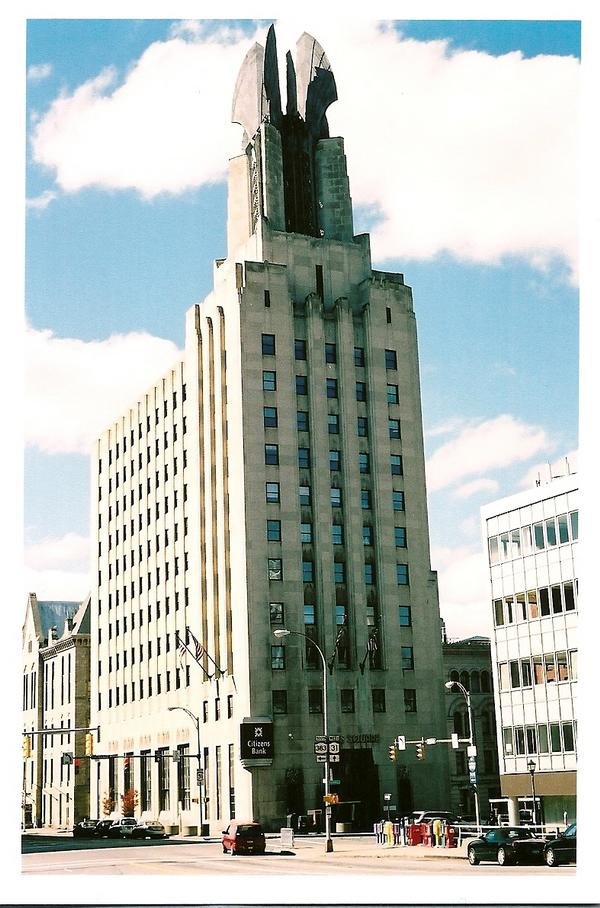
(198, 650)
(338, 640)
(181, 649)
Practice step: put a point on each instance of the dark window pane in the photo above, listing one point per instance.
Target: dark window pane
(268, 344)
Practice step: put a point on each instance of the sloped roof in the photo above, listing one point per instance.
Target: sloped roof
(55, 614)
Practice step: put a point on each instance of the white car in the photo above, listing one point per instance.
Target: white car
(426, 816)
(122, 828)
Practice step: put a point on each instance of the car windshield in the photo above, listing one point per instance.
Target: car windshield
(248, 831)
(570, 831)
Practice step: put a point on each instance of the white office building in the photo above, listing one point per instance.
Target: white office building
(531, 540)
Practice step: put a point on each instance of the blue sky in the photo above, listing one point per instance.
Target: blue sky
(466, 179)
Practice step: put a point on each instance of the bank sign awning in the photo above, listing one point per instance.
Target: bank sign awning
(256, 742)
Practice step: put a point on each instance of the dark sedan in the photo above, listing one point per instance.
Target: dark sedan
(85, 829)
(507, 845)
(562, 849)
(101, 829)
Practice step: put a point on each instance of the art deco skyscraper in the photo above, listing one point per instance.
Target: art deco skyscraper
(274, 479)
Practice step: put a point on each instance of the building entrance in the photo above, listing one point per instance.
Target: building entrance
(358, 789)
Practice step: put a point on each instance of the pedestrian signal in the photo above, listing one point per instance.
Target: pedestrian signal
(392, 751)
(89, 744)
(26, 747)
(420, 751)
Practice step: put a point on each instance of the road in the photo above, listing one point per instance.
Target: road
(352, 855)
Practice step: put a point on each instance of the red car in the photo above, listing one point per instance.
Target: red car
(243, 837)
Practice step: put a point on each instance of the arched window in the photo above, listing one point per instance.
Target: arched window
(485, 682)
(454, 676)
(465, 680)
(457, 721)
(475, 687)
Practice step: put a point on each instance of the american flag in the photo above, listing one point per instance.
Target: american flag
(372, 644)
(198, 649)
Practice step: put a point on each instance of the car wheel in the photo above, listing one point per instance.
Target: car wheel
(503, 858)
(473, 859)
(550, 858)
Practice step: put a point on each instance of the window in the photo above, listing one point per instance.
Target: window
(304, 458)
(336, 498)
(520, 739)
(568, 740)
(402, 574)
(277, 657)
(359, 356)
(526, 672)
(276, 612)
(267, 298)
(271, 455)
(347, 700)
(397, 500)
(574, 518)
(391, 361)
(309, 614)
(378, 699)
(538, 535)
(363, 462)
(335, 460)
(299, 349)
(301, 385)
(410, 700)
(562, 667)
(396, 464)
(551, 531)
(302, 420)
(394, 428)
(407, 658)
(362, 427)
(315, 700)
(542, 735)
(367, 534)
(279, 702)
(555, 737)
(304, 493)
(332, 387)
(392, 394)
(308, 573)
(361, 390)
(369, 573)
(404, 617)
(275, 569)
(333, 423)
(400, 537)
(270, 417)
(544, 601)
(549, 667)
(330, 353)
(272, 492)
(337, 534)
(365, 499)
(274, 530)
(339, 572)
(569, 599)
(306, 535)
(515, 680)
(268, 345)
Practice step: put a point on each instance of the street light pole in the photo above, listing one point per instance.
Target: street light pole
(532, 767)
(467, 696)
(196, 720)
(284, 632)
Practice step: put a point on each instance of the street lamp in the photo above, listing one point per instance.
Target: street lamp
(531, 766)
(196, 720)
(467, 696)
(284, 632)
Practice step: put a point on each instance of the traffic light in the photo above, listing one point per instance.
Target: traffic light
(89, 744)
(26, 747)
(420, 751)
(392, 751)
(157, 756)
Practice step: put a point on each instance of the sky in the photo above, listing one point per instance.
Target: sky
(462, 146)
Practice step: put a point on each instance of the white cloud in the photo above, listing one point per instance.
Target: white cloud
(75, 388)
(460, 151)
(464, 590)
(41, 202)
(57, 568)
(39, 71)
(493, 444)
(475, 487)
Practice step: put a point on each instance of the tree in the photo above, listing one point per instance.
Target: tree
(108, 804)
(129, 801)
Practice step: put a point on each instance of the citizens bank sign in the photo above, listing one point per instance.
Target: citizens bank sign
(256, 742)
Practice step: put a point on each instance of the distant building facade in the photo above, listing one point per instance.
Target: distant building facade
(531, 539)
(56, 679)
(273, 479)
(469, 662)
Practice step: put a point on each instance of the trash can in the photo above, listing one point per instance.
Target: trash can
(413, 834)
(290, 820)
(451, 837)
(302, 823)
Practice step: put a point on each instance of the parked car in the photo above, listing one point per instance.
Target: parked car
(507, 845)
(243, 838)
(85, 829)
(101, 829)
(562, 849)
(150, 829)
(122, 828)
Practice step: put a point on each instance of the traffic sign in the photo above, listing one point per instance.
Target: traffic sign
(387, 797)
(334, 747)
(472, 763)
(334, 738)
(320, 738)
(334, 758)
(200, 776)
(321, 758)
(473, 777)
(320, 747)
(472, 750)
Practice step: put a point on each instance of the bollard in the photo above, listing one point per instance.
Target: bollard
(388, 830)
(396, 833)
